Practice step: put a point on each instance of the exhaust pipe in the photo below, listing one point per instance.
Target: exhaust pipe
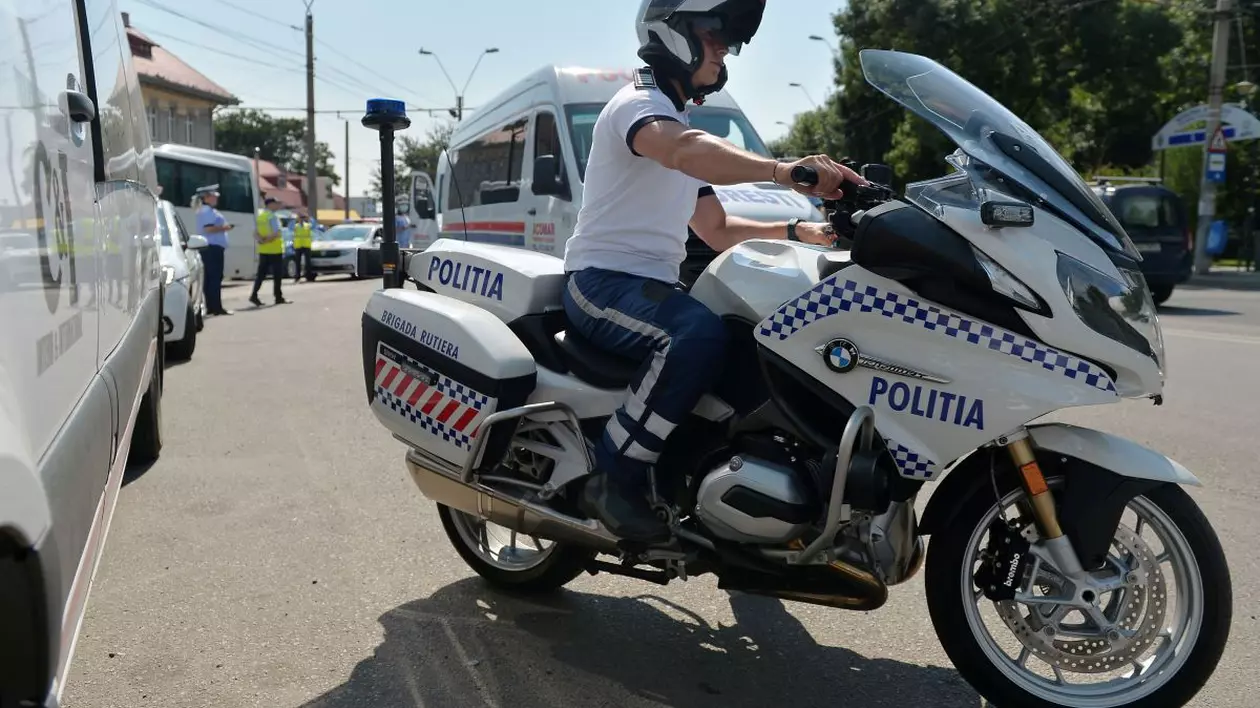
(505, 509)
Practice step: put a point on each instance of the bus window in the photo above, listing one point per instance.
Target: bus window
(180, 180)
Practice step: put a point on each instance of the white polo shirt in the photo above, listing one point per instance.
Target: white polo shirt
(634, 211)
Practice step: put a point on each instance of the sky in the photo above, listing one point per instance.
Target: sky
(369, 48)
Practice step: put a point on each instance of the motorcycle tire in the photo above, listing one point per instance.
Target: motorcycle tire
(565, 563)
(945, 598)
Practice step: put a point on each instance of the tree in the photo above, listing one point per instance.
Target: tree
(279, 140)
(415, 155)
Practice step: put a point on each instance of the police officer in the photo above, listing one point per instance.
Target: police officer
(302, 247)
(402, 230)
(648, 178)
(214, 227)
(270, 240)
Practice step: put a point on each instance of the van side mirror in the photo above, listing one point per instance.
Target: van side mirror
(197, 241)
(547, 176)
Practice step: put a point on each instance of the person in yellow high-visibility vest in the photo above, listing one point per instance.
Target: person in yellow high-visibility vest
(270, 240)
(302, 248)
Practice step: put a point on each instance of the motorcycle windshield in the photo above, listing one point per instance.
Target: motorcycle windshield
(987, 132)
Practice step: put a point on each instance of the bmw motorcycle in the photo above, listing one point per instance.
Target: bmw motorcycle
(1067, 566)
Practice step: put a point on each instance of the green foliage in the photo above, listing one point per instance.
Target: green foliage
(279, 140)
(1097, 79)
(415, 155)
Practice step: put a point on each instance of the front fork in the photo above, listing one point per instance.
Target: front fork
(1042, 502)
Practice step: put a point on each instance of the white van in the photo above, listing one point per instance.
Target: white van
(182, 169)
(513, 172)
(80, 316)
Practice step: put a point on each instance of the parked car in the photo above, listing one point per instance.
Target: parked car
(354, 249)
(1157, 221)
(81, 352)
(183, 274)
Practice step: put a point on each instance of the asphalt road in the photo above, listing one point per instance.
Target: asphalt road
(278, 555)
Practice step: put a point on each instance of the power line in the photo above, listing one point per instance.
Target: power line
(227, 32)
(219, 52)
(260, 16)
(357, 63)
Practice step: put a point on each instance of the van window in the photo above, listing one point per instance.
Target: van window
(488, 170)
(180, 181)
(547, 141)
(723, 122)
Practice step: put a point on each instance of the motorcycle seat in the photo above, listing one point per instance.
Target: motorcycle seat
(593, 365)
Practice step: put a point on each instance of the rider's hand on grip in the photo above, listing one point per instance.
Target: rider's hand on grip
(820, 176)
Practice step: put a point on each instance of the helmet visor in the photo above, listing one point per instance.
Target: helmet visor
(718, 30)
(660, 10)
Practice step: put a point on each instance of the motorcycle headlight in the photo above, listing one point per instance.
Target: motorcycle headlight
(1119, 310)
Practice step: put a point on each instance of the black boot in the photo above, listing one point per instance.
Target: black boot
(623, 509)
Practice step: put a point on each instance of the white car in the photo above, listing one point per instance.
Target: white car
(184, 307)
(354, 249)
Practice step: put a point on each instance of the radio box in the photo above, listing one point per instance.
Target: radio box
(435, 368)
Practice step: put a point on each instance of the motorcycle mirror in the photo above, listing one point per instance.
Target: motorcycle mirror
(878, 174)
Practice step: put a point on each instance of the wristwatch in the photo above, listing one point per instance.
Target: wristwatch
(792, 228)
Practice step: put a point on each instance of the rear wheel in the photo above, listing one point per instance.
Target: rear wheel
(510, 560)
(1161, 293)
(1146, 632)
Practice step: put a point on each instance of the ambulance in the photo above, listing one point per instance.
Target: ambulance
(81, 315)
(513, 172)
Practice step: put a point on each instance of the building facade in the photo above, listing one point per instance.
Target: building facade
(180, 101)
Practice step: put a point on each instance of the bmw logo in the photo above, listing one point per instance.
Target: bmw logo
(841, 355)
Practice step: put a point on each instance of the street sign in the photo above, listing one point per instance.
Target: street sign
(1217, 143)
(1216, 167)
(1187, 128)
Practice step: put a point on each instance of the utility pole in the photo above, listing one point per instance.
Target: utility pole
(312, 187)
(1216, 88)
(347, 200)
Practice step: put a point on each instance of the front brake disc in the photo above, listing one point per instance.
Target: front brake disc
(1136, 612)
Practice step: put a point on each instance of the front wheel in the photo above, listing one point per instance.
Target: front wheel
(510, 560)
(1150, 636)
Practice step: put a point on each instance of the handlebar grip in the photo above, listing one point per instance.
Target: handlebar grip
(807, 176)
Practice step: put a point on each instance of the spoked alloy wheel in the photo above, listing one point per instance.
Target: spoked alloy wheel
(1146, 631)
(511, 560)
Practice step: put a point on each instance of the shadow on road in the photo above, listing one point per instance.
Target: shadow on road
(1195, 311)
(469, 645)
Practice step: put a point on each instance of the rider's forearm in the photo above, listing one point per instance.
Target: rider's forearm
(716, 161)
(737, 230)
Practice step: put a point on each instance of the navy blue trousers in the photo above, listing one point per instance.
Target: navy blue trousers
(680, 341)
(212, 258)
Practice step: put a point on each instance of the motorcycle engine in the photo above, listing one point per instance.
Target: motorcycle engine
(752, 500)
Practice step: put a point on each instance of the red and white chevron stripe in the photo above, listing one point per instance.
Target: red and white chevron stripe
(425, 399)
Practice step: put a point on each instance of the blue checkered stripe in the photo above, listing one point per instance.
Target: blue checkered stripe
(911, 463)
(460, 392)
(427, 424)
(830, 297)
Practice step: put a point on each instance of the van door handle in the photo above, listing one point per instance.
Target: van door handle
(77, 106)
(533, 211)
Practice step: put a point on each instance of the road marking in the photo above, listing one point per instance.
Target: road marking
(469, 664)
(1213, 336)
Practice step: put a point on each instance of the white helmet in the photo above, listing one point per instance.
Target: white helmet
(669, 41)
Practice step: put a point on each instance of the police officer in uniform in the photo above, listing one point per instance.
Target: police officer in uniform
(302, 248)
(270, 240)
(648, 178)
(214, 227)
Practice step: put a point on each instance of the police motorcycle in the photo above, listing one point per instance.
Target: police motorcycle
(1067, 566)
